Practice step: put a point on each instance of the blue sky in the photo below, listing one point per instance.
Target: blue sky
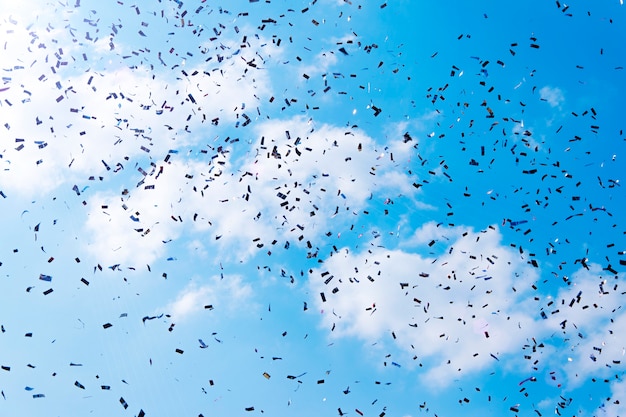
(312, 208)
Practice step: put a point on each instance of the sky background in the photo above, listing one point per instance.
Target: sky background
(285, 208)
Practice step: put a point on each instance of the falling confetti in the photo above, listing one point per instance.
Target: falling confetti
(254, 207)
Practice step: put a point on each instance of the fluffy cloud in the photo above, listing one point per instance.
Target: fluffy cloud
(132, 228)
(553, 95)
(452, 311)
(589, 314)
(98, 114)
(224, 293)
(322, 171)
(323, 62)
(615, 405)
(455, 300)
(299, 178)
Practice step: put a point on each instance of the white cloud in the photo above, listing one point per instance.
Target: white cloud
(441, 306)
(224, 293)
(83, 134)
(244, 205)
(100, 109)
(135, 226)
(590, 311)
(323, 62)
(431, 231)
(616, 405)
(115, 239)
(197, 247)
(553, 95)
(307, 174)
(454, 312)
(14, 13)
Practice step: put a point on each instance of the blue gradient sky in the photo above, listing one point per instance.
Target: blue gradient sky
(312, 208)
